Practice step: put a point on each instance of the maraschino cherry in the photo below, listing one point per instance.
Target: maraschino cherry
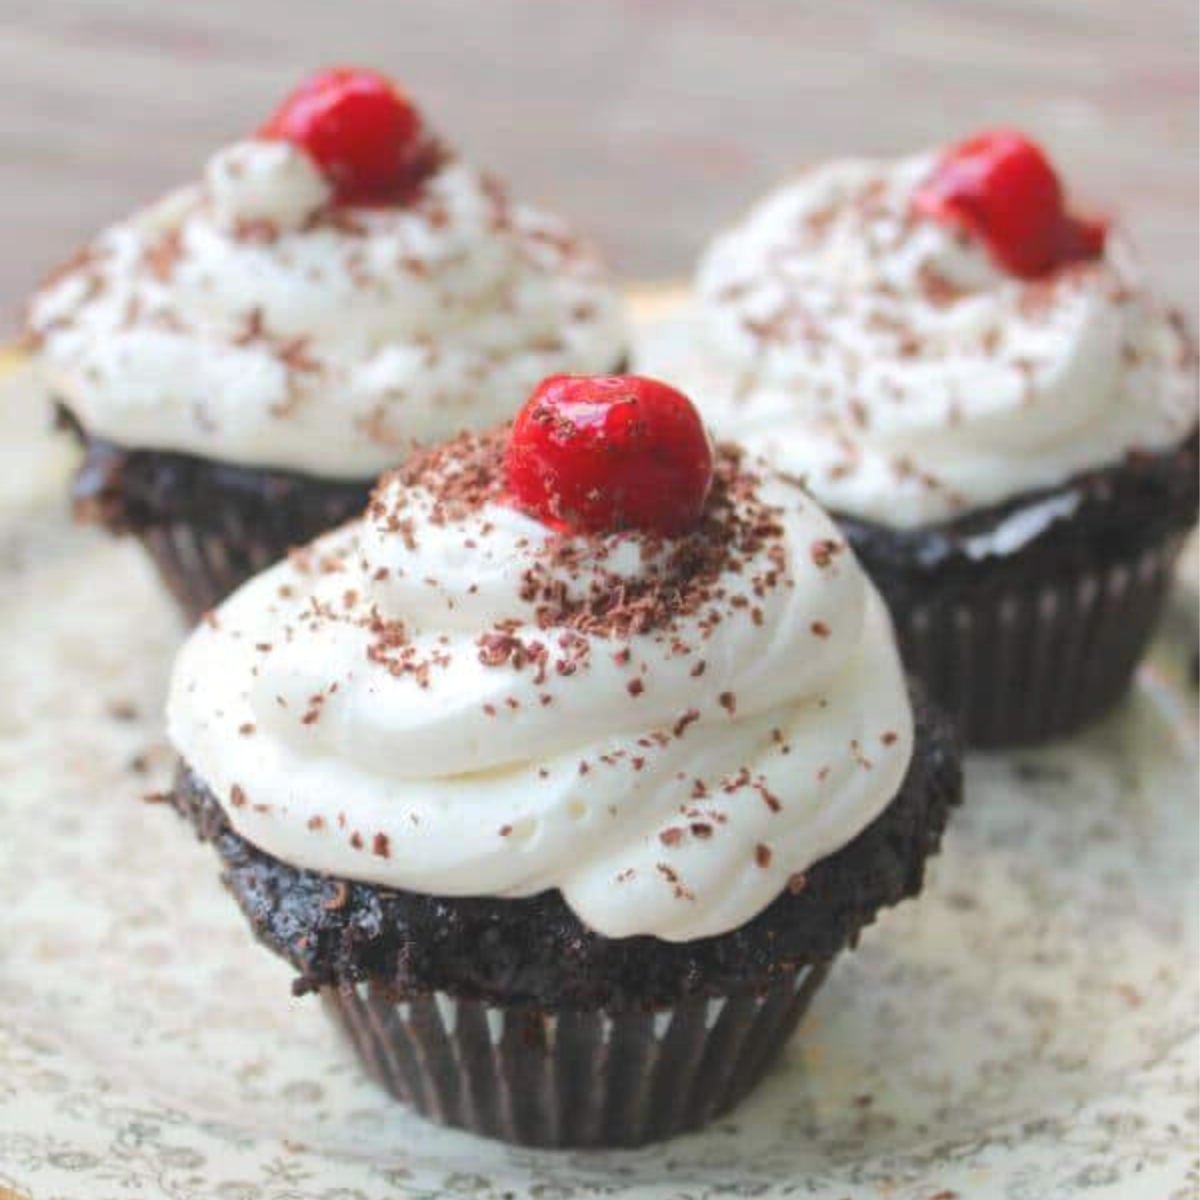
(363, 132)
(1002, 188)
(601, 453)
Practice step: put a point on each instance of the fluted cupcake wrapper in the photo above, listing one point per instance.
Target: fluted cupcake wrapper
(559, 1079)
(208, 526)
(200, 568)
(201, 565)
(1043, 655)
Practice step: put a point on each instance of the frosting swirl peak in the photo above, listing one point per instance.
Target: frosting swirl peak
(887, 359)
(449, 697)
(249, 319)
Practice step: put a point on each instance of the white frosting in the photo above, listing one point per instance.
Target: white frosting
(242, 319)
(908, 379)
(265, 181)
(465, 778)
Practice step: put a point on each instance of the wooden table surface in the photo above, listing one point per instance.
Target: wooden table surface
(649, 122)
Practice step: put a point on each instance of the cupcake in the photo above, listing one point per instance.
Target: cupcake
(564, 774)
(979, 386)
(243, 358)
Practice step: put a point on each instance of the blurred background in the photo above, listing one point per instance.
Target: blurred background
(648, 122)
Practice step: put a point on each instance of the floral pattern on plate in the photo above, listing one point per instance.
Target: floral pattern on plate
(1026, 1030)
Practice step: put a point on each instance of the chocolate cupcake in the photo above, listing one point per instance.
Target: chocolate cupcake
(979, 386)
(565, 773)
(242, 358)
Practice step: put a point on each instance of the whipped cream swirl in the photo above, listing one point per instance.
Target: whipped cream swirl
(888, 361)
(248, 320)
(449, 698)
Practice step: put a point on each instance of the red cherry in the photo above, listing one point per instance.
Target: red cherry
(360, 129)
(1002, 188)
(600, 453)
(1082, 239)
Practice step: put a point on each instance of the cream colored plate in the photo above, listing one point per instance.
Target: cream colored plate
(1026, 1030)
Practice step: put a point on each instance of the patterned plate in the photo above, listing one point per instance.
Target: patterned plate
(1028, 1029)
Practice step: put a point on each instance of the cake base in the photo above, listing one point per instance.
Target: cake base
(510, 1018)
(207, 526)
(1026, 621)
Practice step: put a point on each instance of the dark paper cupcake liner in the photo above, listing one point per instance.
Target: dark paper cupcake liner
(1044, 656)
(200, 567)
(1026, 620)
(572, 1079)
(207, 526)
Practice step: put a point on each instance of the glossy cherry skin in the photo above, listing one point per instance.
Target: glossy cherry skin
(361, 130)
(602, 453)
(1001, 187)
